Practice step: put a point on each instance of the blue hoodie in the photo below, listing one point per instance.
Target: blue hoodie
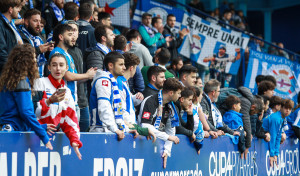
(17, 110)
(273, 124)
(233, 119)
(291, 120)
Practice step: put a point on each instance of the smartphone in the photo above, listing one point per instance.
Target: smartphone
(61, 90)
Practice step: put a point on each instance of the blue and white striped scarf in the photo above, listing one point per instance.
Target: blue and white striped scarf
(173, 115)
(199, 132)
(59, 13)
(149, 31)
(117, 104)
(216, 114)
(103, 48)
(36, 41)
(14, 29)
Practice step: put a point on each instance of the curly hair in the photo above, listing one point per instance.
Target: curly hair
(21, 63)
(131, 60)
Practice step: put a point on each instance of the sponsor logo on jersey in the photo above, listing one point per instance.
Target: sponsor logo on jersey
(105, 83)
(146, 115)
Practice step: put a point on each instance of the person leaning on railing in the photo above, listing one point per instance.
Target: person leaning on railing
(16, 84)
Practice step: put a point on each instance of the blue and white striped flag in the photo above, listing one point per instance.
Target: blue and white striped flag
(156, 9)
(286, 72)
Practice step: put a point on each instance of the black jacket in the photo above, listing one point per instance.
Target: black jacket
(150, 107)
(76, 54)
(246, 101)
(7, 41)
(246, 98)
(86, 37)
(187, 127)
(174, 44)
(93, 57)
(51, 20)
(149, 91)
(206, 107)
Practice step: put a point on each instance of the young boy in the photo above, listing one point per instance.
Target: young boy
(274, 125)
(234, 119)
(258, 108)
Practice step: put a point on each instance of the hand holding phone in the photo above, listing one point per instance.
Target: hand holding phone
(61, 90)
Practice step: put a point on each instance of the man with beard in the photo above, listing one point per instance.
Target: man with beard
(94, 56)
(175, 66)
(9, 36)
(156, 77)
(105, 41)
(76, 54)
(64, 38)
(214, 116)
(54, 13)
(169, 30)
(30, 34)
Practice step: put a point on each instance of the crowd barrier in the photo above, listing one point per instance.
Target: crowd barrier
(103, 154)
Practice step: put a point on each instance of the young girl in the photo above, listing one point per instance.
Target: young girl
(57, 105)
(198, 92)
(198, 118)
(16, 84)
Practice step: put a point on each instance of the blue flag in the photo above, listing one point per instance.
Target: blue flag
(286, 73)
(156, 9)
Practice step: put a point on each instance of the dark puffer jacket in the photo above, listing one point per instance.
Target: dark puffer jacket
(7, 42)
(93, 57)
(246, 98)
(246, 102)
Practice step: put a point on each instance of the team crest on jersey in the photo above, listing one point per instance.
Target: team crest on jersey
(104, 83)
(146, 115)
(284, 77)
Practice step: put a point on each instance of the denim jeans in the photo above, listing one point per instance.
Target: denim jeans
(84, 122)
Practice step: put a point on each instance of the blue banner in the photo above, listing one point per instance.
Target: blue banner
(285, 71)
(103, 154)
(156, 9)
(205, 41)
